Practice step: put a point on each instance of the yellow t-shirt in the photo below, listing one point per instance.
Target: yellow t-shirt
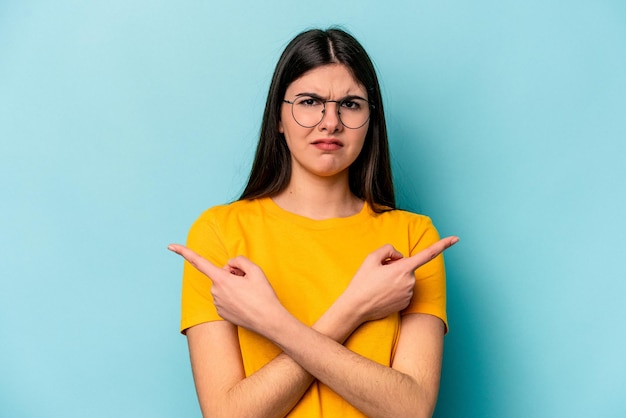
(309, 263)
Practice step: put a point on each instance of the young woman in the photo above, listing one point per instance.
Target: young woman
(312, 295)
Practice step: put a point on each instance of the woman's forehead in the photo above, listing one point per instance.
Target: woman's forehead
(331, 80)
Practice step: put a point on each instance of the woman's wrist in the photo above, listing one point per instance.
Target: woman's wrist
(340, 320)
(272, 322)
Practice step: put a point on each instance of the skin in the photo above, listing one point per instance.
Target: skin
(329, 81)
(382, 285)
(319, 179)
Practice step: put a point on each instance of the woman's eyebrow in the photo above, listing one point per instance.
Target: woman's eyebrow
(317, 96)
(314, 95)
(353, 96)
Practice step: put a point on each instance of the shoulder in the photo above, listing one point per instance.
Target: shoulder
(417, 229)
(414, 221)
(230, 211)
(218, 219)
(218, 228)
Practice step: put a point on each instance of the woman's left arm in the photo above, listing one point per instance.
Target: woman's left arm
(408, 389)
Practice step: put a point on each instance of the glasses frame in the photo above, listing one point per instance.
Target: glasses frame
(339, 102)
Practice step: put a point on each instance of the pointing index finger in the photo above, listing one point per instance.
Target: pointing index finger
(433, 251)
(203, 265)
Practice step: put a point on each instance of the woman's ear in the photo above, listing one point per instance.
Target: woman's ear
(280, 127)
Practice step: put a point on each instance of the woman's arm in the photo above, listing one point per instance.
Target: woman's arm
(407, 389)
(249, 301)
(419, 354)
(221, 385)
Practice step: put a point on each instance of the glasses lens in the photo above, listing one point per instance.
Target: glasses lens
(309, 111)
(354, 112)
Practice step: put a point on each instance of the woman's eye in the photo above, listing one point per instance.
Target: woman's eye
(351, 104)
(309, 101)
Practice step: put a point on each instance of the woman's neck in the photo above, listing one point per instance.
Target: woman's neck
(319, 199)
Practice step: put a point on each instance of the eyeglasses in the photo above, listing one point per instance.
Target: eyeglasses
(308, 111)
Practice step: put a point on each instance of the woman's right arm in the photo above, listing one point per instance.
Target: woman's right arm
(223, 390)
(221, 385)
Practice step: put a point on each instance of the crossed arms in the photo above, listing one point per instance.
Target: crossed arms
(243, 296)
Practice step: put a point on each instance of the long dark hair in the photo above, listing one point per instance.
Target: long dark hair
(370, 174)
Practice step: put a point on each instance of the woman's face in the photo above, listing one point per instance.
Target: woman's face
(328, 148)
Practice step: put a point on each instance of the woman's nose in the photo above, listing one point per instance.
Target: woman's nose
(330, 117)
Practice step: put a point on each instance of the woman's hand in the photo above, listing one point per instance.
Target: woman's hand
(241, 292)
(384, 282)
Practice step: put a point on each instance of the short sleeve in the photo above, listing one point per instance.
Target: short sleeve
(429, 294)
(197, 302)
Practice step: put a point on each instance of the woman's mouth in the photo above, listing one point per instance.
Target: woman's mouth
(328, 144)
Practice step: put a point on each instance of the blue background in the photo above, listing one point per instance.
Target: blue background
(121, 121)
